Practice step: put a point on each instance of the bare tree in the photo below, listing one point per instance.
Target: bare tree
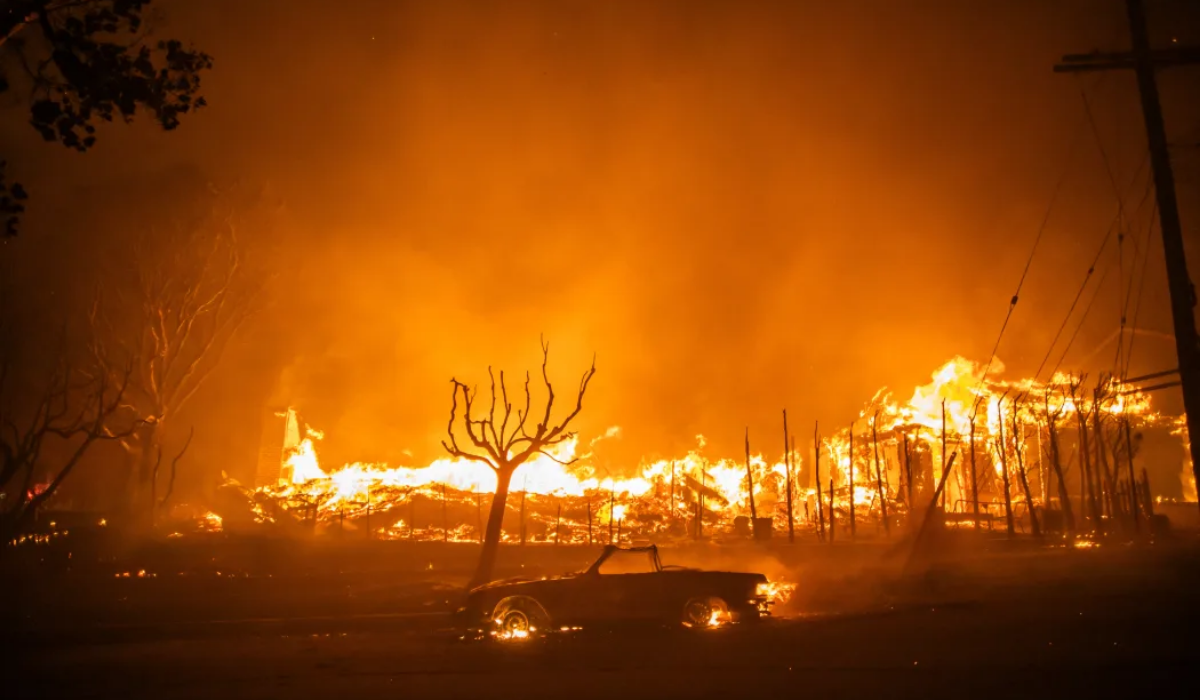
(169, 310)
(503, 443)
(77, 409)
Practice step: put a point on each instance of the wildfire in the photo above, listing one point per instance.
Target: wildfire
(892, 451)
(211, 522)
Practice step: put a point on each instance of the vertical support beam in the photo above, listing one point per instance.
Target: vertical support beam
(787, 465)
(750, 484)
(1134, 511)
(817, 469)
(974, 477)
(1179, 284)
(887, 528)
(853, 531)
(1008, 514)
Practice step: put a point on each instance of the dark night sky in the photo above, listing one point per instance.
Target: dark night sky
(739, 206)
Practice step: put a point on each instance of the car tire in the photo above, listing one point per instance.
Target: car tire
(705, 612)
(519, 617)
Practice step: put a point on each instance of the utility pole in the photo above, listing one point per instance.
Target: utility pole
(1143, 61)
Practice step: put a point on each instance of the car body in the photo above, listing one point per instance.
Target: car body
(624, 584)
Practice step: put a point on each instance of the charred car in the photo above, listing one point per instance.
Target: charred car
(624, 584)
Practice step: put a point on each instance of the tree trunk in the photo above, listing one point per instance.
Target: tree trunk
(491, 538)
(1133, 504)
(1085, 459)
(887, 530)
(1008, 513)
(1064, 495)
(141, 482)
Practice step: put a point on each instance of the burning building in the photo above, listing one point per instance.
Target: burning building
(995, 452)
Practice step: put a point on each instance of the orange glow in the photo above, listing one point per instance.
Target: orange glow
(642, 503)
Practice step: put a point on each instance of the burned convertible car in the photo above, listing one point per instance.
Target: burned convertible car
(624, 584)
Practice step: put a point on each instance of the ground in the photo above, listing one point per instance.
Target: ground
(1106, 622)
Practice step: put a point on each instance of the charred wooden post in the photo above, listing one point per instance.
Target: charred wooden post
(671, 511)
(1008, 513)
(1101, 451)
(750, 484)
(479, 514)
(412, 515)
(557, 522)
(887, 530)
(612, 510)
(817, 468)
(1064, 495)
(916, 450)
(787, 465)
(853, 531)
(908, 474)
(1029, 506)
(831, 508)
(933, 502)
(1087, 492)
(589, 519)
(1043, 476)
(445, 521)
(619, 522)
(1133, 504)
(974, 475)
(943, 449)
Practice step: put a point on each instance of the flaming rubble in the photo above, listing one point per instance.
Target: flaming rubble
(890, 455)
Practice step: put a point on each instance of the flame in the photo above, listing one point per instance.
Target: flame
(561, 490)
(211, 522)
(1187, 477)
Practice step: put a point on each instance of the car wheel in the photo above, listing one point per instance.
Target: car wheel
(519, 617)
(704, 612)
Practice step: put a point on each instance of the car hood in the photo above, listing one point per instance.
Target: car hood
(517, 580)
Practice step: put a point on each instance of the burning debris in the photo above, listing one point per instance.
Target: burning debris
(1023, 448)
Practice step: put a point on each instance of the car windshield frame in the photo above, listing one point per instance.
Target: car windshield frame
(609, 550)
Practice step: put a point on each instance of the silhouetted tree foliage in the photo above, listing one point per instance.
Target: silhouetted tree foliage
(503, 441)
(89, 61)
(49, 420)
(168, 304)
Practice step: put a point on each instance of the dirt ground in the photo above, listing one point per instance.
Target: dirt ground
(1115, 621)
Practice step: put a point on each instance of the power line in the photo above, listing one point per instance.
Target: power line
(1082, 319)
(1141, 286)
(1112, 178)
(1078, 295)
(1012, 304)
(1124, 309)
(1086, 278)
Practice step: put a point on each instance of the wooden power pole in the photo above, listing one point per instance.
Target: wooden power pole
(1143, 61)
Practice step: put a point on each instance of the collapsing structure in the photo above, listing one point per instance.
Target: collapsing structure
(1019, 456)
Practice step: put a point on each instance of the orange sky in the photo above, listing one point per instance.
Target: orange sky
(738, 206)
